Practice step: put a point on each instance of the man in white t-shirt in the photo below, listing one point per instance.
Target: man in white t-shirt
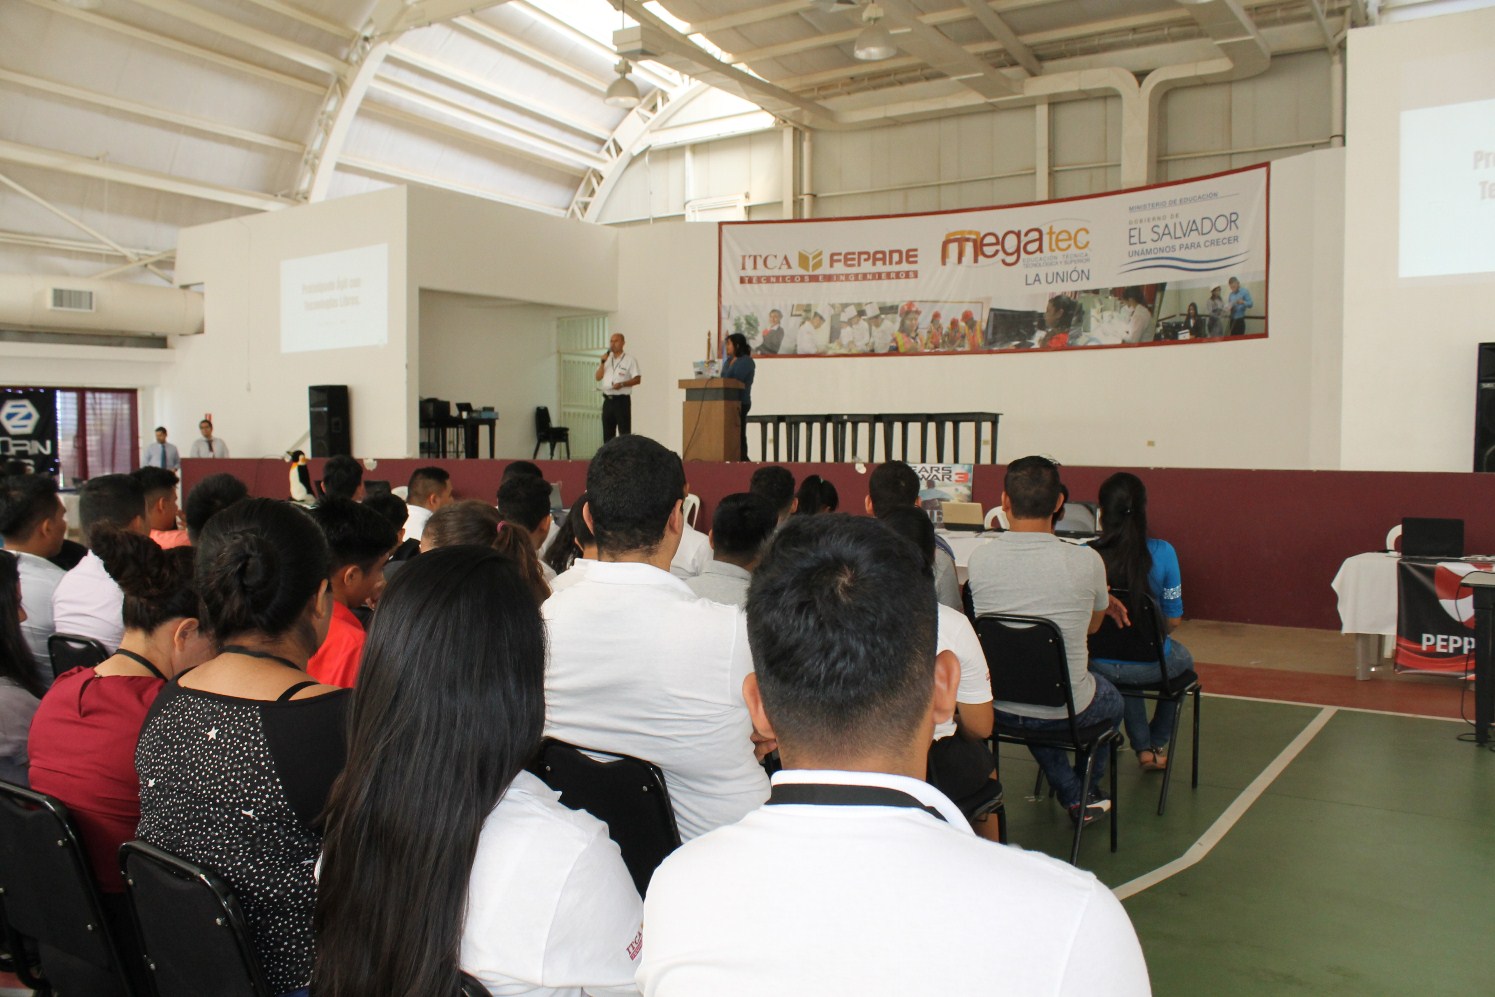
(851, 879)
(33, 524)
(638, 664)
(430, 488)
(88, 601)
(1029, 571)
(617, 375)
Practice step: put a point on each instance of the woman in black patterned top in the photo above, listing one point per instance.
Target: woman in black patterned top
(236, 757)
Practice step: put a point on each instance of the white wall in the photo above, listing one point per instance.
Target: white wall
(1268, 403)
(236, 370)
(1409, 345)
(489, 351)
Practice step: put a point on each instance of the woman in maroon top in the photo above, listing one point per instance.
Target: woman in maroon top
(84, 734)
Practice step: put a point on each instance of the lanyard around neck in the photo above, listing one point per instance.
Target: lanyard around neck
(142, 660)
(837, 795)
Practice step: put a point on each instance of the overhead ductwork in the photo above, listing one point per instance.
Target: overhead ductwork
(38, 302)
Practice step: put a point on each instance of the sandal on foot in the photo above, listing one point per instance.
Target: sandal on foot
(1152, 761)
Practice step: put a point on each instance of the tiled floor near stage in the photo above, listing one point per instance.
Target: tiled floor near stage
(1327, 851)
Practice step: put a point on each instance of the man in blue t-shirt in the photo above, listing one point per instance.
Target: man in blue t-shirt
(1240, 300)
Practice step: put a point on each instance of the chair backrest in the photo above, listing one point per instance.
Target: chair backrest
(692, 508)
(69, 651)
(997, 516)
(49, 890)
(1027, 660)
(1143, 641)
(627, 794)
(542, 420)
(195, 937)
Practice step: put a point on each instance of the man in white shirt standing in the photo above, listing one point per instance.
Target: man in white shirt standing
(638, 664)
(161, 453)
(33, 524)
(88, 602)
(856, 867)
(617, 375)
(740, 527)
(209, 445)
(430, 488)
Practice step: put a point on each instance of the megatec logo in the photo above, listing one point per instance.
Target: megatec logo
(19, 416)
(970, 246)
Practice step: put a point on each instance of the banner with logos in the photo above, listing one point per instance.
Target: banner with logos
(1175, 263)
(1435, 616)
(28, 428)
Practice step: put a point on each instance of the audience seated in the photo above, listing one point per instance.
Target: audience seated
(360, 541)
(776, 484)
(209, 497)
(895, 485)
(638, 664)
(859, 877)
(473, 523)
(815, 495)
(574, 547)
(740, 527)
(83, 736)
(162, 515)
(87, 602)
(394, 509)
(528, 468)
(430, 488)
(524, 502)
(342, 478)
(958, 765)
(33, 525)
(237, 756)
(1140, 564)
(20, 686)
(442, 852)
(694, 552)
(1030, 571)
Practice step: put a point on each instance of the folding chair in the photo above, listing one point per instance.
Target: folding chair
(545, 433)
(51, 897)
(627, 794)
(1028, 665)
(69, 651)
(1143, 642)
(193, 933)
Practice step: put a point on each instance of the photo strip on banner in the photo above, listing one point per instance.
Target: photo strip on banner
(1176, 263)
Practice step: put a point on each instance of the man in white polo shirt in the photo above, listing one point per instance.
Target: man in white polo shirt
(88, 601)
(858, 877)
(617, 374)
(430, 488)
(638, 664)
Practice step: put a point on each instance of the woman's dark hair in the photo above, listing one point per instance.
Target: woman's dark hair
(1067, 307)
(259, 562)
(740, 345)
(450, 706)
(16, 662)
(816, 495)
(514, 542)
(471, 523)
(159, 585)
(1123, 536)
(573, 535)
(1193, 309)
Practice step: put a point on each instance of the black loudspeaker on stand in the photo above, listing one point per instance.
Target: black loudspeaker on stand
(331, 424)
(1484, 410)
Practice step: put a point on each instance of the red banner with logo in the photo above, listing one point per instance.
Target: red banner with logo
(1176, 263)
(1435, 616)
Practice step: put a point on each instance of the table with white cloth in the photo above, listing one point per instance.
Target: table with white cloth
(1366, 587)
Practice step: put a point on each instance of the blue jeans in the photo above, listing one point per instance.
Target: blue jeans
(1065, 777)
(1146, 736)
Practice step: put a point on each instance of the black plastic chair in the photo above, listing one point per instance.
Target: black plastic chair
(546, 433)
(69, 651)
(471, 987)
(1143, 642)
(193, 933)
(627, 794)
(51, 897)
(1028, 665)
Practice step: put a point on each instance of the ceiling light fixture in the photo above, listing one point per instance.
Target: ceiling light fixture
(623, 92)
(874, 42)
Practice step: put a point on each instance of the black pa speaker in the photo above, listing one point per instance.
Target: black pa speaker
(1484, 410)
(331, 424)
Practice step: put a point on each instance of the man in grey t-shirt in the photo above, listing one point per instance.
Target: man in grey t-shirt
(1030, 571)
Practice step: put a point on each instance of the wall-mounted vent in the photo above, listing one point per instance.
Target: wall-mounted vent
(66, 299)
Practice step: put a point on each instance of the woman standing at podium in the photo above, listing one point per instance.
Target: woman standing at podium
(740, 366)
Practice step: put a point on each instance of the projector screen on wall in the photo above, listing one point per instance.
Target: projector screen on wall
(1447, 191)
(335, 301)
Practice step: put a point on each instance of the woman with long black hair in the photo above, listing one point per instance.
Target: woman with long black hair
(741, 366)
(1141, 565)
(442, 854)
(20, 687)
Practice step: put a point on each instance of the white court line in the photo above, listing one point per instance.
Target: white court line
(1351, 709)
(1233, 813)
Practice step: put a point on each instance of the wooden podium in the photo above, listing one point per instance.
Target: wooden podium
(711, 422)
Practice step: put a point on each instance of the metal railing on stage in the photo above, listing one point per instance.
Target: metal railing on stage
(793, 436)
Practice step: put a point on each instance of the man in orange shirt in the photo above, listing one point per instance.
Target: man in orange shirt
(361, 542)
(162, 514)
